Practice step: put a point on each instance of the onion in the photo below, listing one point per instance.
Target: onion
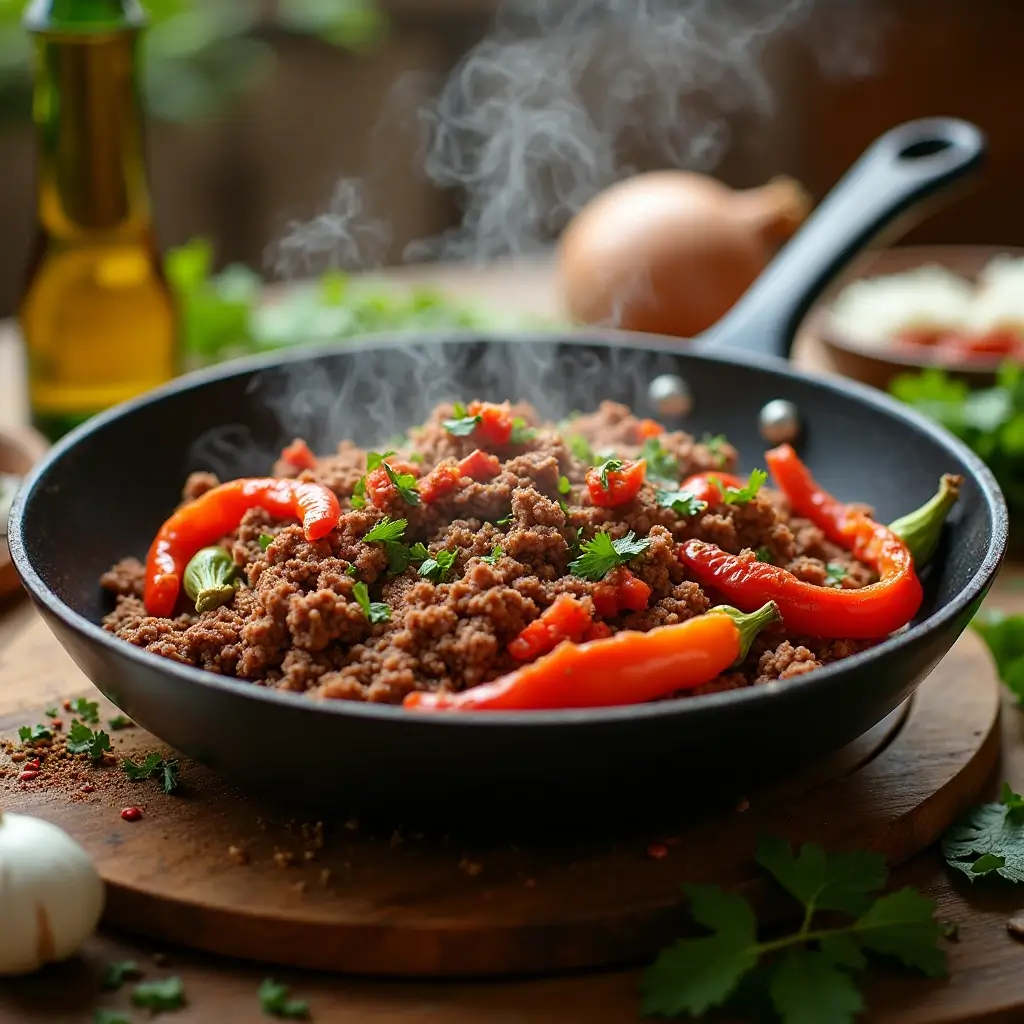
(670, 252)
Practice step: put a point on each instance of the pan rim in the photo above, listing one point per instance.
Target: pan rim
(699, 705)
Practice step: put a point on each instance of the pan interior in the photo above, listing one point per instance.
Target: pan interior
(103, 492)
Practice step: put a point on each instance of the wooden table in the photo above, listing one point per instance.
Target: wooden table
(986, 981)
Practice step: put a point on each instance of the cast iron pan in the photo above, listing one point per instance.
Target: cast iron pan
(102, 492)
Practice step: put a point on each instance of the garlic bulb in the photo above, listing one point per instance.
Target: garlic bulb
(51, 895)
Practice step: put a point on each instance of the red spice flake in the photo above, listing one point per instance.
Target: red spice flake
(34, 764)
(132, 814)
(57, 724)
(659, 851)
(28, 776)
(87, 787)
(66, 704)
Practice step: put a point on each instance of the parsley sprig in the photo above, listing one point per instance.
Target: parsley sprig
(164, 994)
(742, 495)
(602, 554)
(375, 611)
(493, 557)
(31, 733)
(606, 467)
(404, 483)
(661, 466)
(437, 568)
(87, 710)
(683, 503)
(274, 1001)
(989, 839)
(716, 445)
(461, 424)
(810, 974)
(166, 772)
(82, 740)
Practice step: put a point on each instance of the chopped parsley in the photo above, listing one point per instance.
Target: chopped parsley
(742, 495)
(606, 467)
(352, 571)
(50, 712)
(716, 446)
(661, 466)
(438, 567)
(835, 574)
(764, 554)
(166, 994)
(359, 493)
(104, 1016)
(375, 611)
(82, 740)
(574, 547)
(405, 484)
(564, 487)
(87, 710)
(120, 722)
(417, 458)
(274, 1001)
(31, 733)
(602, 554)
(579, 446)
(117, 973)
(505, 521)
(462, 424)
(683, 503)
(166, 772)
(386, 530)
(493, 557)
(389, 533)
(521, 433)
(266, 540)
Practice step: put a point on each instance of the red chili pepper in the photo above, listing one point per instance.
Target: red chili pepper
(649, 428)
(623, 483)
(619, 590)
(704, 486)
(479, 465)
(495, 426)
(566, 618)
(216, 513)
(628, 668)
(297, 454)
(867, 613)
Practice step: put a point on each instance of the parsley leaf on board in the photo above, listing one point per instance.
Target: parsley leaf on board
(493, 557)
(606, 467)
(137, 772)
(117, 973)
(742, 495)
(683, 503)
(834, 575)
(438, 567)
(165, 994)
(599, 556)
(50, 712)
(87, 710)
(31, 733)
(82, 740)
(104, 1016)
(375, 611)
(989, 839)
(1004, 635)
(168, 774)
(274, 1001)
(580, 448)
(809, 975)
(661, 466)
(120, 722)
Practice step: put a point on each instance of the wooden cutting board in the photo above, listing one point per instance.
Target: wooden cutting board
(213, 869)
(20, 448)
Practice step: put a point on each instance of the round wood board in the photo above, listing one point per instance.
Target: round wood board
(331, 895)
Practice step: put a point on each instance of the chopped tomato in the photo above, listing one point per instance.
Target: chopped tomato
(605, 602)
(621, 591)
(649, 428)
(622, 484)
(379, 488)
(566, 618)
(441, 480)
(704, 486)
(598, 631)
(297, 454)
(998, 342)
(495, 426)
(478, 465)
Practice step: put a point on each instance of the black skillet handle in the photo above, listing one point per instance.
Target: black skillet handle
(902, 167)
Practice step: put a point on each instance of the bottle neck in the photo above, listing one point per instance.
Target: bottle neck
(83, 15)
(91, 173)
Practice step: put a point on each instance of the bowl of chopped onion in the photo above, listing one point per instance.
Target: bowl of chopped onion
(960, 308)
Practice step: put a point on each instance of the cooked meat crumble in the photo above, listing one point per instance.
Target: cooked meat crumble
(296, 623)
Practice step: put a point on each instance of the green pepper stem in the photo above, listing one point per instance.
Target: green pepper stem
(209, 578)
(920, 530)
(750, 624)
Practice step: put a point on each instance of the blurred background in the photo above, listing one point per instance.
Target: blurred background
(257, 107)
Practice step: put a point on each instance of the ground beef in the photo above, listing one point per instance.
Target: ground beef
(296, 621)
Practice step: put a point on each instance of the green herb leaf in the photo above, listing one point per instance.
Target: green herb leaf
(266, 540)
(168, 774)
(417, 458)
(437, 568)
(564, 486)
(577, 543)
(358, 499)
(386, 530)
(375, 611)
(716, 445)
(902, 925)
(375, 459)
(120, 722)
(352, 571)
(661, 466)
(835, 573)
(743, 495)
(820, 881)
(764, 554)
(103, 1016)
(462, 426)
(274, 1001)
(809, 988)
(521, 433)
(159, 996)
(405, 484)
(580, 448)
(82, 740)
(493, 557)
(600, 555)
(117, 973)
(1004, 635)
(137, 772)
(87, 710)
(683, 503)
(606, 467)
(694, 975)
(50, 712)
(505, 521)
(29, 734)
(986, 833)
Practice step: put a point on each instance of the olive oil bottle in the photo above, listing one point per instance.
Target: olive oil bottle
(96, 314)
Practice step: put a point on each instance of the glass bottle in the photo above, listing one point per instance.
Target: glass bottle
(96, 313)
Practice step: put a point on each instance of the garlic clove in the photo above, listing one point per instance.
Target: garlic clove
(51, 896)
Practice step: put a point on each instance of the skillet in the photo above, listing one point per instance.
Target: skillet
(103, 490)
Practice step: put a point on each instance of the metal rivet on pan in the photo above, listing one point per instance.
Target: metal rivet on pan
(670, 395)
(779, 421)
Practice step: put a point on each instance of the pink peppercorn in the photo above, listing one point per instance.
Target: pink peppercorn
(131, 814)
(28, 776)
